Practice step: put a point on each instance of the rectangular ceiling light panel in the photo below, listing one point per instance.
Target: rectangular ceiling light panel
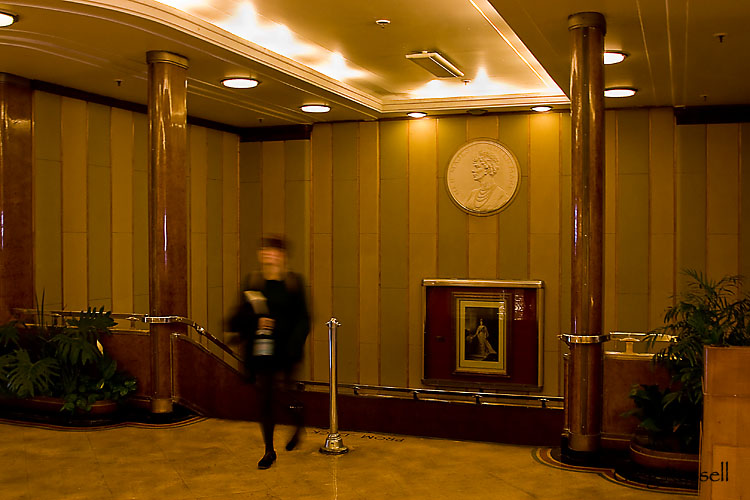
(435, 64)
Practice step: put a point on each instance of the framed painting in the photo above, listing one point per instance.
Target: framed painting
(481, 333)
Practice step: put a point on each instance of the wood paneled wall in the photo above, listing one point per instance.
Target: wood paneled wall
(380, 220)
(365, 208)
(91, 211)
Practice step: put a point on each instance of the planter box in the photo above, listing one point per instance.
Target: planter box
(45, 404)
(663, 460)
(725, 441)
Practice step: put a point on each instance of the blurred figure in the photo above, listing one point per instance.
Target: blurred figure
(273, 320)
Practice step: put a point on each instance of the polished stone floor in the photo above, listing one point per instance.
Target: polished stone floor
(216, 459)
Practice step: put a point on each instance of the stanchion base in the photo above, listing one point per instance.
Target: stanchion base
(334, 445)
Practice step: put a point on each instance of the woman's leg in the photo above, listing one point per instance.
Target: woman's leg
(267, 418)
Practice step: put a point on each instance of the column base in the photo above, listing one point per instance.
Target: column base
(161, 405)
(577, 457)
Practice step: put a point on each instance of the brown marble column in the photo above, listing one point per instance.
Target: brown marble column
(167, 117)
(583, 397)
(16, 216)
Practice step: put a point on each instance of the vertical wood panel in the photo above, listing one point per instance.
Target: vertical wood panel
(744, 209)
(483, 252)
(544, 232)
(722, 193)
(297, 210)
(322, 246)
(346, 246)
(230, 222)
(453, 249)
(610, 225)
(423, 176)
(273, 186)
(513, 221)
(99, 206)
(422, 232)
(369, 244)
(322, 307)
(566, 224)
(48, 199)
(74, 191)
(47, 121)
(322, 178)
(251, 206)
(632, 220)
(661, 215)
(690, 201)
(122, 210)
(198, 224)
(140, 214)
(297, 223)
(394, 252)
(214, 161)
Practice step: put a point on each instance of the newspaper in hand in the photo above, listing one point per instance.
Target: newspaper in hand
(257, 301)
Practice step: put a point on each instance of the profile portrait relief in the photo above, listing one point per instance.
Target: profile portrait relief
(482, 177)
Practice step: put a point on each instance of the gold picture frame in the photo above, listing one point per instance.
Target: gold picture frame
(482, 324)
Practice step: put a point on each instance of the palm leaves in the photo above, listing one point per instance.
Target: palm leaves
(63, 361)
(26, 377)
(708, 313)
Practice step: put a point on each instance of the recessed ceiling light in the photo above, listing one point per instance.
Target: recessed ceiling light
(541, 109)
(619, 92)
(6, 19)
(416, 114)
(614, 56)
(315, 108)
(240, 83)
(383, 22)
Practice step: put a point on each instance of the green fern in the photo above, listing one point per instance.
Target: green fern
(74, 348)
(708, 313)
(93, 322)
(26, 378)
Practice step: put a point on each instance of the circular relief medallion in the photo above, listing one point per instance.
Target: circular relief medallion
(483, 177)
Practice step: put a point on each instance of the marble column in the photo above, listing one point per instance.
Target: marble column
(16, 215)
(584, 371)
(168, 267)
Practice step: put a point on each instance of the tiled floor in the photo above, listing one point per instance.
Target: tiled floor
(216, 459)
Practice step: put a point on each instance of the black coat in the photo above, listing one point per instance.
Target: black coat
(288, 307)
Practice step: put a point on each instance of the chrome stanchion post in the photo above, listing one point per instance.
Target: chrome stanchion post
(334, 445)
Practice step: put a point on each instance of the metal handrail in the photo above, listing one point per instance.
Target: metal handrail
(479, 397)
(416, 392)
(630, 338)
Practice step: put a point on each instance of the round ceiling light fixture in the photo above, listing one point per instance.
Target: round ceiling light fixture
(6, 19)
(620, 92)
(240, 83)
(541, 109)
(614, 56)
(416, 114)
(315, 108)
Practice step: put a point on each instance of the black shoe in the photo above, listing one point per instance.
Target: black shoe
(267, 461)
(292, 444)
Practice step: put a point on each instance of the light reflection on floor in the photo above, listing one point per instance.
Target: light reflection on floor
(216, 459)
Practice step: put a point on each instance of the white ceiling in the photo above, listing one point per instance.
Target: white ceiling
(521, 47)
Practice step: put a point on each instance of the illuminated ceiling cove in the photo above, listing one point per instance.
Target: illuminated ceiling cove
(346, 43)
(351, 55)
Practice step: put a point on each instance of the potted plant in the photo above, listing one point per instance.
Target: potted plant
(709, 313)
(66, 362)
